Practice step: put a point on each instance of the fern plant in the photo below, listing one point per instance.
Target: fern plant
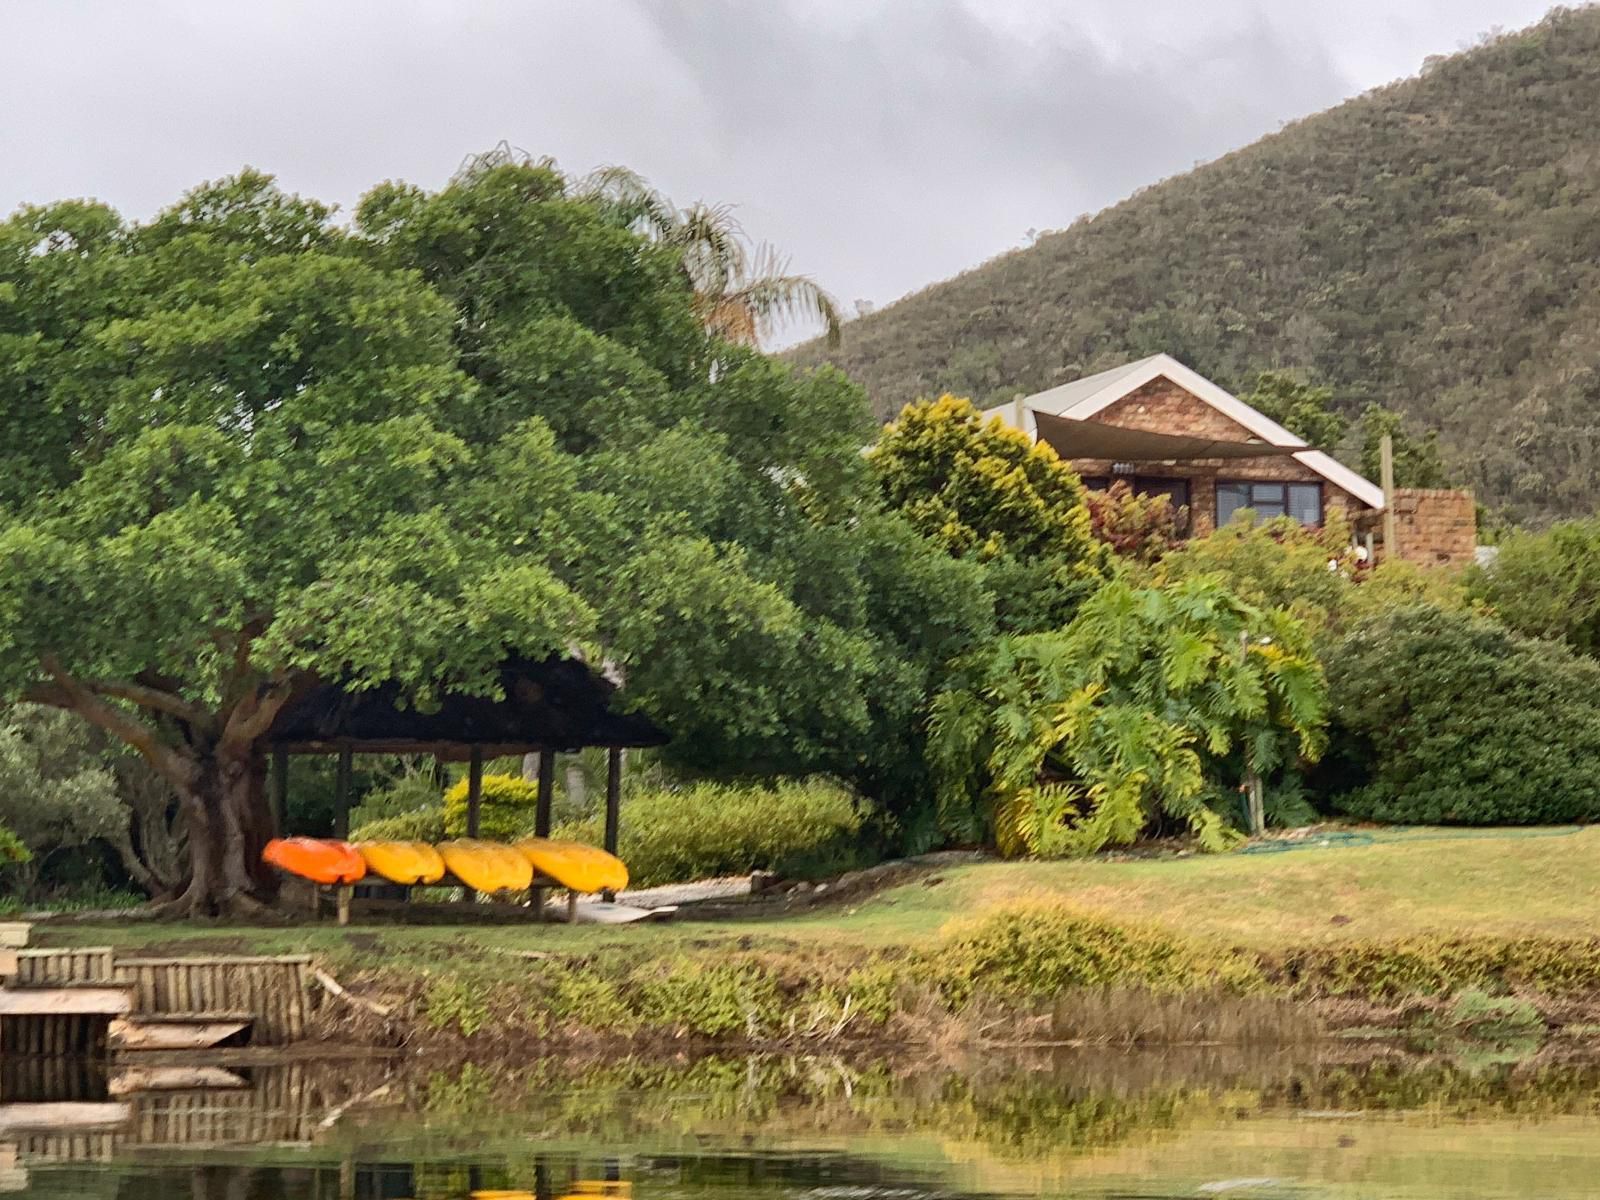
(1062, 743)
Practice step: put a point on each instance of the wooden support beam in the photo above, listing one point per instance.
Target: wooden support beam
(547, 786)
(1391, 537)
(613, 798)
(474, 790)
(280, 789)
(341, 794)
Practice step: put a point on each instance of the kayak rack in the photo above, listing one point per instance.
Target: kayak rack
(343, 896)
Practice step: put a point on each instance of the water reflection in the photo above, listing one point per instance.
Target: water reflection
(1344, 1123)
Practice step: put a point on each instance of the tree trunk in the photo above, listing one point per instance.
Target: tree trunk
(229, 823)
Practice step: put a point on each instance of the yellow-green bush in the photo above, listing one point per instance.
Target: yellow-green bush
(795, 827)
(1438, 966)
(708, 998)
(1036, 947)
(423, 825)
(505, 810)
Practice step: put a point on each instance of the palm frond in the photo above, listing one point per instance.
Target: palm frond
(775, 298)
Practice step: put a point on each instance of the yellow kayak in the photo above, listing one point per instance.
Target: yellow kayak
(487, 866)
(403, 862)
(574, 865)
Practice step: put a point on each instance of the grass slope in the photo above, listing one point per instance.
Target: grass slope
(1433, 245)
(1500, 883)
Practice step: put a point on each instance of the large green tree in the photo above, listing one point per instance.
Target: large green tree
(244, 449)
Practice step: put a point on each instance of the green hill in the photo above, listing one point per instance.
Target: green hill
(1433, 245)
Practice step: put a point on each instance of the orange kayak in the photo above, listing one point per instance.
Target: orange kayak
(317, 859)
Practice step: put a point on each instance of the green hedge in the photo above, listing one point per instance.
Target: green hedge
(505, 810)
(1448, 718)
(796, 827)
(423, 825)
(1036, 948)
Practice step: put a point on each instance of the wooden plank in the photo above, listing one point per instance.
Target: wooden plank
(63, 1115)
(135, 1034)
(232, 960)
(173, 1079)
(63, 1001)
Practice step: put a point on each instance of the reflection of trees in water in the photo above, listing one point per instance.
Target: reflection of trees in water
(445, 1135)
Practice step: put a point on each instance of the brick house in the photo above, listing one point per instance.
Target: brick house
(1167, 429)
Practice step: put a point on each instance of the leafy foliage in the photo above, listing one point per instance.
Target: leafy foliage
(1312, 572)
(1309, 412)
(1038, 948)
(1431, 245)
(505, 809)
(57, 791)
(980, 488)
(419, 825)
(1481, 725)
(1547, 584)
(1140, 528)
(243, 448)
(1063, 743)
(793, 827)
(987, 493)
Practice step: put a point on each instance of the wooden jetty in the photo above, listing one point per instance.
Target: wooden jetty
(88, 999)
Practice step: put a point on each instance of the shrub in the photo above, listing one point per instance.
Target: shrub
(505, 810)
(1061, 743)
(1494, 1018)
(1449, 718)
(1141, 528)
(707, 998)
(794, 827)
(1313, 572)
(1438, 966)
(1547, 584)
(1037, 947)
(422, 825)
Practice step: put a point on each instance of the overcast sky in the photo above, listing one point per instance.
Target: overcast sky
(882, 144)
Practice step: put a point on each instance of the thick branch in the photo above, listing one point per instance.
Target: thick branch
(153, 698)
(253, 716)
(119, 724)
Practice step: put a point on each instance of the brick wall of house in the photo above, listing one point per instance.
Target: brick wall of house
(1435, 526)
(1162, 406)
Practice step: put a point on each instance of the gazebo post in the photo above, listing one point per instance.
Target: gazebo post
(341, 794)
(547, 785)
(613, 806)
(474, 789)
(280, 789)
(541, 815)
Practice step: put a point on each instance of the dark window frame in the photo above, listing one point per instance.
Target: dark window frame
(1279, 506)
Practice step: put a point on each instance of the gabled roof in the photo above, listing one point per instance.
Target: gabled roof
(1083, 398)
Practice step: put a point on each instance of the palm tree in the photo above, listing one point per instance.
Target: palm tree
(742, 292)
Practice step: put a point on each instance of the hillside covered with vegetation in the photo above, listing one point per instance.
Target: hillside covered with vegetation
(1433, 246)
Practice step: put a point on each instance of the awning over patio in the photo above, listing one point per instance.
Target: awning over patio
(1073, 438)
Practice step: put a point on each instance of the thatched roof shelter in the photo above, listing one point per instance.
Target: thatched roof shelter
(551, 706)
(558, 705)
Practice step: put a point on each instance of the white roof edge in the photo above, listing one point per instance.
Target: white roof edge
(1229, 406)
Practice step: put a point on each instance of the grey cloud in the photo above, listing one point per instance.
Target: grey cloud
(883, 144)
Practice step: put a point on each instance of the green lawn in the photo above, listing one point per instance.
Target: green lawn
(1425, 881)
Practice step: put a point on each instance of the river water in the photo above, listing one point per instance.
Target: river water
(1329, 1122)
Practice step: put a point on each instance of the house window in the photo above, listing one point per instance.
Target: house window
(1302, 501)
